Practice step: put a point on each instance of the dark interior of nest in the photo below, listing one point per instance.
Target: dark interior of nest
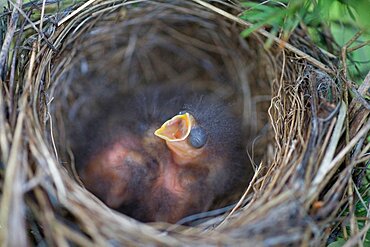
(161, 112)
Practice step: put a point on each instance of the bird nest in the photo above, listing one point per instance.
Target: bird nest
(305, 156)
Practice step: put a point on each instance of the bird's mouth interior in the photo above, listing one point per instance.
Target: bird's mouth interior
(176, 129)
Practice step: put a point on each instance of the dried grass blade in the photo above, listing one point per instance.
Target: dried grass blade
(13, 163)
(78, 10)
(326, 164)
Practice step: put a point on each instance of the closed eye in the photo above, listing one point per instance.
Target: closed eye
(197, 137)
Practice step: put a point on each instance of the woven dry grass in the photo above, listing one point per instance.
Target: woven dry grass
(305, 181)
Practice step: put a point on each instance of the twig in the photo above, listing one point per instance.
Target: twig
(41, 24)
(326, 166)
(353, 39)
(358, 46)
(358, 96)
(355, 239)
(52, 137)
(40, 32)
(353, 222)
(240, 202)
(78, 10)
(347, 84)
(351, 144)
(8, 38)
(365, 86)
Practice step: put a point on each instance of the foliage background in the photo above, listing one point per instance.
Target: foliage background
(331, 25)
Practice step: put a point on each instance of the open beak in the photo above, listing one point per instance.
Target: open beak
(176, 129)
(175, 132)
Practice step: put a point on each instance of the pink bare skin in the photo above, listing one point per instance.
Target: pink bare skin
(122, 174)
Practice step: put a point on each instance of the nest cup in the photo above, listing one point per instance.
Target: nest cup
(291, 107)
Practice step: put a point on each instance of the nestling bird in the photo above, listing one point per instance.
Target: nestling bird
(161, 153)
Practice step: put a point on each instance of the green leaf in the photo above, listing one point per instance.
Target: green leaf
(340, 242)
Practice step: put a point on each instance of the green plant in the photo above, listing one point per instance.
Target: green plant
(330, 24)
